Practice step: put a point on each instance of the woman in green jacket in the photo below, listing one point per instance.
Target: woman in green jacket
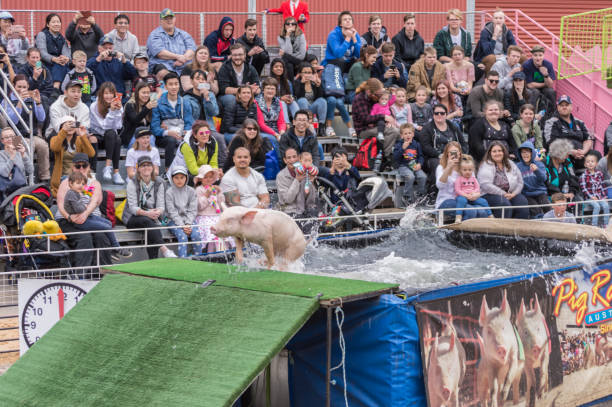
(360, 71)
(527, 129)
(201, 149)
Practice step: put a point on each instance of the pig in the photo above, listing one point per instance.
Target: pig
(445, 369)
(534, 334)
(274, 231)
(499, 366)
(603, 349)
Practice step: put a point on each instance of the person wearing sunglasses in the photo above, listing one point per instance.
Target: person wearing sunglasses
(71, 140)
(297, 9)
(249, 136)
(199, 149)
(481, 94)
(292, 44)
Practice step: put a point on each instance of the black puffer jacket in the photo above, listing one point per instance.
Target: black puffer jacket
(233, 118)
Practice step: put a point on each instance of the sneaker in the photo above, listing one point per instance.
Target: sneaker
(329, 131)
(352, 132)
(117, 179)
(107, 174)
(169, 253)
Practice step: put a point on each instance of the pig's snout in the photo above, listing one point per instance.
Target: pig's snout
(501, 352)
(446, 393)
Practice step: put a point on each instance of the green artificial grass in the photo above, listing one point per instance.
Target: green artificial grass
(136, 341)
(302, 285)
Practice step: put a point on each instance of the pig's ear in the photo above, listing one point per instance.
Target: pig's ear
(484, 310)
(537, 305)
(248, 217)
(521, 312)
(505, 307)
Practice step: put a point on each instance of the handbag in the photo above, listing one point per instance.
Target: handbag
(14, 181)
(176, 123)
(333, 82)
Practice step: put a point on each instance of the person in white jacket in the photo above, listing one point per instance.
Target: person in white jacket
(106, 119)
(69, 104)
(501, 182)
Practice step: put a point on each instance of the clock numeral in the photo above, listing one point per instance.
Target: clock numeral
(47, 300)
(33, 325)
(38, 311)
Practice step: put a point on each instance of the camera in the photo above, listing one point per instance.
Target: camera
(112, 54)
(76, 125)
(2, 56)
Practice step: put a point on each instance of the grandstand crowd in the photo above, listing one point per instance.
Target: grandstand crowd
(460, 127)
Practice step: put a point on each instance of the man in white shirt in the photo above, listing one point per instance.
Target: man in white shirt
(242, 185)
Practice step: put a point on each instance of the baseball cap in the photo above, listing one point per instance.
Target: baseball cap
(519, 75)
(142, 131)
(5, 15)
(145, 159)
(564, 98)
(141, 55)
(74, 82)
(179, 170)
(166, 13)
(538, 48)
(106, 39)
(80, 158)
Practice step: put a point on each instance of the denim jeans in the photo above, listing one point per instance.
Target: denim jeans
(334, 103)
(452, 203)
(463, 201)
(499, 200)
(409, 176)
(95, 222)
(599, 206)
(227, 101)
(291, 108)
(183, 238)
(228, 138)
(318, 107)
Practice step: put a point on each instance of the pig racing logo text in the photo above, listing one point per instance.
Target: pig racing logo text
(565, 292)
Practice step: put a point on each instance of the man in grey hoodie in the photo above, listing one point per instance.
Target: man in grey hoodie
(181, 209)
(68, 105)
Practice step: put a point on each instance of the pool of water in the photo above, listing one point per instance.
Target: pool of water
(419, 256)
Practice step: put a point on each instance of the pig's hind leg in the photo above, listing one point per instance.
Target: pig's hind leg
(239, 246)
(269, 252)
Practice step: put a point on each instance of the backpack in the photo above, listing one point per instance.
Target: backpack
(272, 167)
(368, 149)
(333, 81)
(107, 206)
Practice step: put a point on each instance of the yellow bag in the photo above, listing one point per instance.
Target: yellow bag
(119, 210)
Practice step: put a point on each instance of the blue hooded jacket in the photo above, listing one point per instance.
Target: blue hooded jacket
(534, 182)
(338, 47)
(219, 47)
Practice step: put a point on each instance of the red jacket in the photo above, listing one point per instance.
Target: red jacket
(285, 9)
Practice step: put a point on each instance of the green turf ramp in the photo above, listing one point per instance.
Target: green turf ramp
(136, 341)
(302, 285)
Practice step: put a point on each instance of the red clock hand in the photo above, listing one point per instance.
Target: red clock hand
(60, 301)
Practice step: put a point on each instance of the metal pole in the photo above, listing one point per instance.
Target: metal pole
(264, 29)
(202, 34)
(31, 27)
(328, 370)
(252, 8)
(31, 177)
(470, 10)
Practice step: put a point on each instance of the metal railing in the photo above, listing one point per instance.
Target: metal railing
(4, 92)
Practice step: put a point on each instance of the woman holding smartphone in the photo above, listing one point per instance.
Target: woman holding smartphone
(105, 117)
(138, 112)
(13, 38)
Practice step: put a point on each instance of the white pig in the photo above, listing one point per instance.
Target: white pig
(499, 366)
(533, 331)
(274, 231)
(603, 349)
(445, 370)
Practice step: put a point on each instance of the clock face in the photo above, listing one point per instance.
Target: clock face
(45, 307)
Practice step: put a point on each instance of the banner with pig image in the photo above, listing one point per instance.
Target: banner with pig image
(542, 341)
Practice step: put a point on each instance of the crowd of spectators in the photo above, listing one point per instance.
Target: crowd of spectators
(428, 109)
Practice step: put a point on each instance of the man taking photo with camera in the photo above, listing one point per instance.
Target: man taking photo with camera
(112, 66)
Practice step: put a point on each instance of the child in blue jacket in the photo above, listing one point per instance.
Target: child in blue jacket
(534, 179)
(408, 159)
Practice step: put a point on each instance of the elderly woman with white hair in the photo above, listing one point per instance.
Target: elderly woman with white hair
(560, 170)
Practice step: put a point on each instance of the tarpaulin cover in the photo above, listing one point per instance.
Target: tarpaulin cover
(302, 285)
(383, 364)
(136, 341)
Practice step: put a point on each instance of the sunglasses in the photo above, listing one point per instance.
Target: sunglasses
(79, 166)
(251, 128)
(439, 113)
(290, 23)
(204, 132)
(493, 80)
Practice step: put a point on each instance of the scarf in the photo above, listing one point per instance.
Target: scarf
(270, 115)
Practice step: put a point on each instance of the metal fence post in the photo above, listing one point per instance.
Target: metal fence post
(264, 28)
(202, 35)
(31, 28)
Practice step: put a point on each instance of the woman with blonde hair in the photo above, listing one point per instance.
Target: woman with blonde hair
(201, 62)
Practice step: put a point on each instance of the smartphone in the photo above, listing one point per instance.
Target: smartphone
(119, 96)
(454, 154)
(16, 141)
(38, 64)
(153, 97)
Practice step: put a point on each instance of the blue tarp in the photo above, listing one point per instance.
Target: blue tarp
(381, 326)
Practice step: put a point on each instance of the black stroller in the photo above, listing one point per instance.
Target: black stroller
(352, 204)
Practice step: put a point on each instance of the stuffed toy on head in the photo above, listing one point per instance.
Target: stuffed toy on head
(33, 227)
(51, 227)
